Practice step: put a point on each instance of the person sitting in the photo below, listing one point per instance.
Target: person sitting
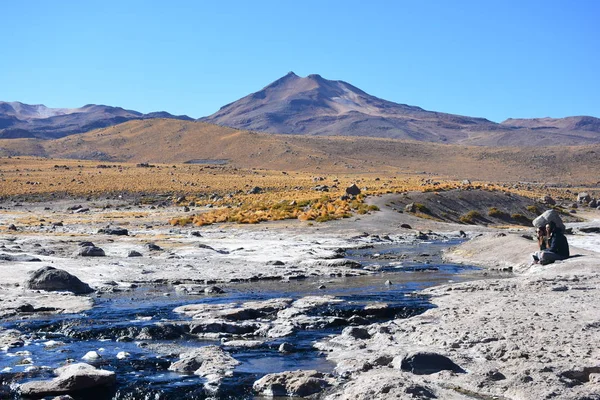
(555, 246)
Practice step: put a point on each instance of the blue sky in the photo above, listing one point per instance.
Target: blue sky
(492, 59)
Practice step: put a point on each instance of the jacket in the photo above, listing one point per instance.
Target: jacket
(558, 244)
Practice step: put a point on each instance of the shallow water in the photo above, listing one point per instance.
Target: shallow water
(409, 267)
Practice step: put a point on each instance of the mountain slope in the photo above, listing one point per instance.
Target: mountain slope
(19, 120)
(317, 106)
(173, 141)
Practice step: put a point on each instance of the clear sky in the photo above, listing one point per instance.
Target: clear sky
(492, 59)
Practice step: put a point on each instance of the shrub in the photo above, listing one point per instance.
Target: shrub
(494, 212)
(534, 209)
(470, 217)
(422, 208)
(521, 219)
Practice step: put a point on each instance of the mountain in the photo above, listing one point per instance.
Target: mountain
(19, 120)
(317, 106)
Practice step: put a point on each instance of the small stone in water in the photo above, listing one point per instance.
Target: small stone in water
(388, 282)
(322, 287)
(123, 355)
(286, 347)
(91, 356)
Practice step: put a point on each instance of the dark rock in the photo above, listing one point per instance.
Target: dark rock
(420, 392)
(422, 236)
(548, 200)
(25, 308)
(423, 363)
(590, 229)
(153, 247)
(593, 203)
(12, 227)
(133, 253)
(18, 258)
(255, 190)
(57, 224)
(406, 226)
(583, 198)
(196, 234)
(213, 290)
(410, 207)
(462, 234)
(91, 251)
(71, 378)
(52, 279)
(275, 262)
(86, 244)
(114, 231)
(357, 333)
(353, 190)
(286, 347)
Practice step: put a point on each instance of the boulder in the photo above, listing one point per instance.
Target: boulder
(71, 378)
(593, 203)
(583, 198)
(548, 216)
(205, 361)
(353, 190)
(293, 383)
(548, 200)
(425, 363)
(133, 253)
(53, 279)
(114, 231)
(18, 258)
(90, 251)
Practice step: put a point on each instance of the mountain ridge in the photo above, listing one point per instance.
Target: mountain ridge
(19, 120)
(316, 106)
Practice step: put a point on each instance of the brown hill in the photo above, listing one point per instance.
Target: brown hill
(317, 106)
(173, 141)
(19, 120)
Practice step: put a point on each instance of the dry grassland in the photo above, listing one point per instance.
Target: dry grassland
(224, 190)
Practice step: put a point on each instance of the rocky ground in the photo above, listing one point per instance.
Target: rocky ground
(531, 336)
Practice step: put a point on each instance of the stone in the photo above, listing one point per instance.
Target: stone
(593, 203)
(213, 290)
(275, 262)
(548, 200)
(123, 355)
(71, 378)
(91, 356)
(114, 231)
(425, 363)
(584, 198)
(406, 226)
(410, 207)
(286, 347)
(255, 190)
(356, 332)
(353, 190)
(205, 361)
(53, 279)
(18, 258)
(12, 227)
(153, 247)
(90, 251)
(293, 383)
(133, 253)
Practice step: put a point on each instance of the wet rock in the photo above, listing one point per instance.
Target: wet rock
(18, 258)
(286, 347)
(53, 279)
(90, 251)
(216, 325)
(205, 361)
(10, 338)
(422, 236)
(293, 383)
(114, 231)
(425, 363)
(337, 263)
(71, 378)
(213, 290)
(122, 355)
(91, 356)
(133, 253)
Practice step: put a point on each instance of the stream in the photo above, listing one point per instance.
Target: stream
(142, 323)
